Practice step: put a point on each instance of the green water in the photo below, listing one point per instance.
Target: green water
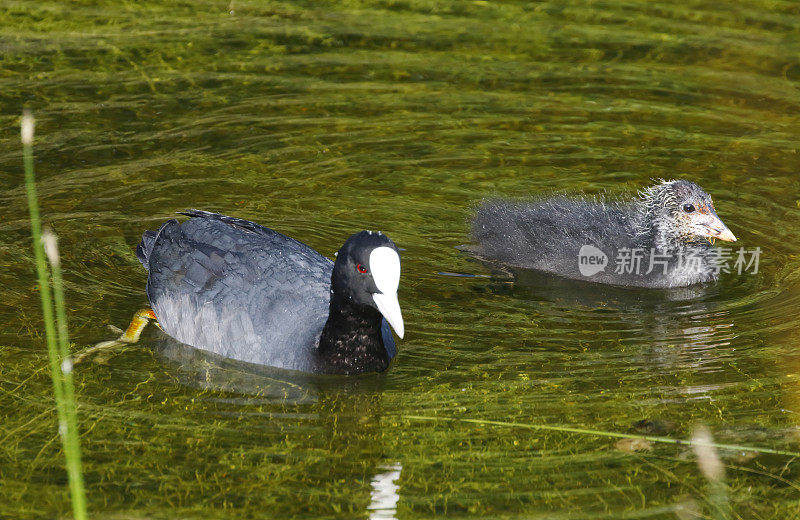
(322, 118)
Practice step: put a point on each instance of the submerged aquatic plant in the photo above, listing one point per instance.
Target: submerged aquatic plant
(55, 324)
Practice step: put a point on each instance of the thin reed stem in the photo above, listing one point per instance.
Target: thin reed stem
(57, 338)
(72, 441)
(712, 468)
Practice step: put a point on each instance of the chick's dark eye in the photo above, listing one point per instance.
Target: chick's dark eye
(361, 269)
(688, 208)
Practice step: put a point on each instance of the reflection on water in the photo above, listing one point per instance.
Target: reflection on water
(207, 370)
(385, 493)
(684, 328)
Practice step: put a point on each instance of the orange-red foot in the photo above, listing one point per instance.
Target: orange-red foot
(129, 337)
(138, 323)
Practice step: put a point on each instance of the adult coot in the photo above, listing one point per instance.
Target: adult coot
(662, 238)
(246, 292)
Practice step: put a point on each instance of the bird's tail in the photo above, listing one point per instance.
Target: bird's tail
(145, 247)
(149, 238)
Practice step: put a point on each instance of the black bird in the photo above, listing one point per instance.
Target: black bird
(669, 227)
(246, 292)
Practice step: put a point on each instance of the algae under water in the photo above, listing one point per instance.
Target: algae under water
(321, 118)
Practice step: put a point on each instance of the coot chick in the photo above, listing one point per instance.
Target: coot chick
(662, 238)
(246, 292)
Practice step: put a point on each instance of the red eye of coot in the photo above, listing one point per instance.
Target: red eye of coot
(361, 269)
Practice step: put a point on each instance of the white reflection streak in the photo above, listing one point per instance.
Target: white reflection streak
(385, 493)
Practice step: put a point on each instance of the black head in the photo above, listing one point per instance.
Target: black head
(367, 273)
(683, 211)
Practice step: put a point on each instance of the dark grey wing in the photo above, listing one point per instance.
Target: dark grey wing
(255, 296)
(272, 236)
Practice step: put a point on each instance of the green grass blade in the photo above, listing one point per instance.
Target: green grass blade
(601, 433)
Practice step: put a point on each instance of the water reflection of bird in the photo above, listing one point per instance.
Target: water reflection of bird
(662, 238)
(660, 332)
(299, 430)
(246, 292)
